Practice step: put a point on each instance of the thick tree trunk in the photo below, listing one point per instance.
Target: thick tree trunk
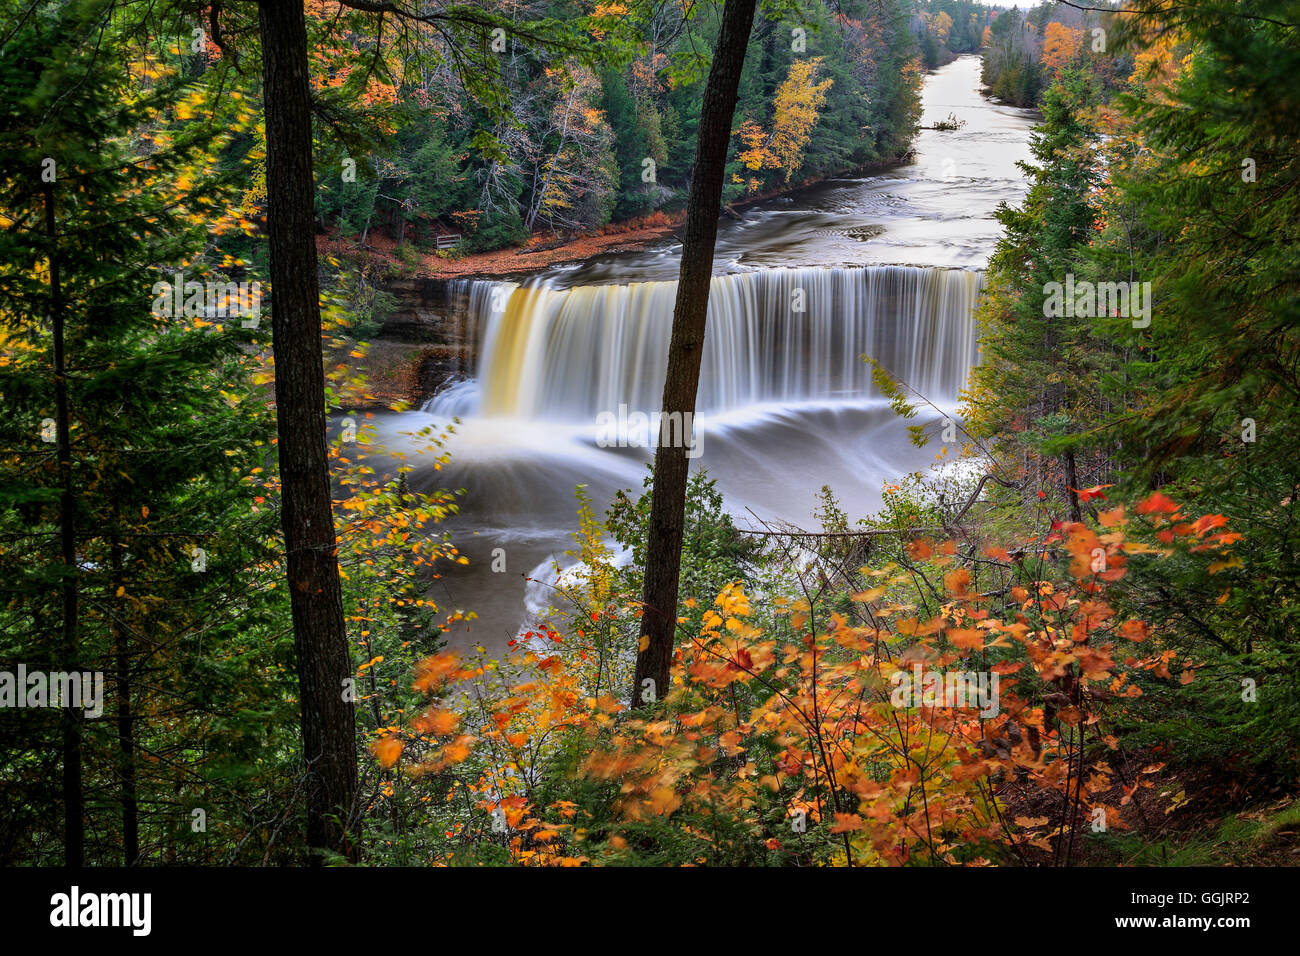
(74, 826)
(668, 499)
(320, 636)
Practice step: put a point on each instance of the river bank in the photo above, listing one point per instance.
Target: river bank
(381, 255)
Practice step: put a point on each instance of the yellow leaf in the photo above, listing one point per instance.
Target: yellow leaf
(664, 800)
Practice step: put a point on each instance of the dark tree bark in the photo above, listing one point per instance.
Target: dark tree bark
(668, 498)
(320, 635)
(1071, 487)
(125, 718)
(74, 825)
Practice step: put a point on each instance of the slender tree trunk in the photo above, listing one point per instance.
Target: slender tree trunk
(125, 720)
(74, 827)
(1071, 487)
(320, 635)
(535, 207)
(668, 499)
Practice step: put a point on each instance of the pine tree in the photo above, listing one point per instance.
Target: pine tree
(1031, 391)
(128, 544)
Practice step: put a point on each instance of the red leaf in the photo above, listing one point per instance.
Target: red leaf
(1157, 503)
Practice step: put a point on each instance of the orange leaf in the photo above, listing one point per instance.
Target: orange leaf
(387, 750)
(458, 750)
(437, 721)
(847, 822)
(1208, 522)
(432, 671)
(957, 581)
(664, 800)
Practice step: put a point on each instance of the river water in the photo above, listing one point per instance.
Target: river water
(887, 265)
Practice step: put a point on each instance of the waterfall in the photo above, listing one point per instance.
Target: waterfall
(773, 336)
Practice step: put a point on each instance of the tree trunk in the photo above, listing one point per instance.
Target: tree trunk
(668, 499)
(320, 635)
(1071, 487)
(74, 825)
(125, 719)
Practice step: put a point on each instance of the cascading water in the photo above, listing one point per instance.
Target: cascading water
(786, 403)
(779, 335)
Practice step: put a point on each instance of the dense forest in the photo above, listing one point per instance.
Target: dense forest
(223, 632)
(1176, 378)
(1026, 50)
(826, 88)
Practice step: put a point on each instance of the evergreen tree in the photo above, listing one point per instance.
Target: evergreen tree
(129, 546)
(1031, 391)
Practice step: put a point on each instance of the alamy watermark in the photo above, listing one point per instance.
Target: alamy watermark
(922, 688)
(24, 688)
(1071, 299)
(75, 908)
(626, 429)
(208, 300)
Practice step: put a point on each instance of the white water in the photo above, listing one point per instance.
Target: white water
(786, 401)
(780, 335)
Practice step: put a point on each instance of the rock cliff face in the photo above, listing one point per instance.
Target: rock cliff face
(433, 311)
(428, 340)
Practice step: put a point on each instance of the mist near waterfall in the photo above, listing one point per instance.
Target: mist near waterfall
(787, 402)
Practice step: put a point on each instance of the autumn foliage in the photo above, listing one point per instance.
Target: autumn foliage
(783, 742)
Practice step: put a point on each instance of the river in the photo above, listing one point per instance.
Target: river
(888, 265)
